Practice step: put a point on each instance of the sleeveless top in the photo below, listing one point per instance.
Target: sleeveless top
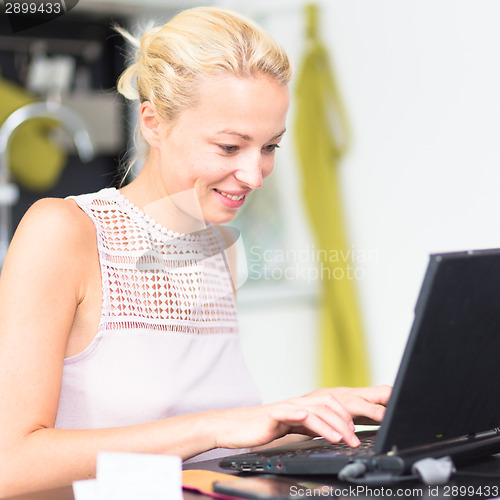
(167, 342)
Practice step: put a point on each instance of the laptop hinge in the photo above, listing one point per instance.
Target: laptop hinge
(467, 440)
(484, 434)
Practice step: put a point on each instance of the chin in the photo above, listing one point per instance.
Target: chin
(220, 218)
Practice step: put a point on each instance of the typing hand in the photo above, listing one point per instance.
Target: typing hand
(326, 412)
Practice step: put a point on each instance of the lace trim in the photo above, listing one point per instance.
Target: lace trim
(155, 278)
(174, 328)
(149, 220)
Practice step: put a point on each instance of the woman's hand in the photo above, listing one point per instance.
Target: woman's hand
(366, 405)
(325, 412)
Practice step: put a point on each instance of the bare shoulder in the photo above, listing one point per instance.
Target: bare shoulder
(53, 214)
(54, 233)
(54, 221)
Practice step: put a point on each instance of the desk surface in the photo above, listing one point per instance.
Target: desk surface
(477, 486)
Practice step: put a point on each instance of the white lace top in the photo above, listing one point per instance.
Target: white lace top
(167, 341)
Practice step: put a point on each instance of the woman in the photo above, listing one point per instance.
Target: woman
(118, 317)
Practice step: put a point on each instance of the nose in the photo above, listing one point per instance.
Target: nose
(249, 172)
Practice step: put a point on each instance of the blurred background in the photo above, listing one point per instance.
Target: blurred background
(419, 83)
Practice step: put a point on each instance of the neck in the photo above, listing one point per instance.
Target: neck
(179, 212)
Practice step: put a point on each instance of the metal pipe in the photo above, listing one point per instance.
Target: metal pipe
(9, 192)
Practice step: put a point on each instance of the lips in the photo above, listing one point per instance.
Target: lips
(233, 197)
(231, 200)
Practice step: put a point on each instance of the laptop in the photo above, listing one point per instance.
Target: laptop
(446, 397)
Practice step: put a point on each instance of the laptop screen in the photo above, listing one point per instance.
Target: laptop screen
(448, 384)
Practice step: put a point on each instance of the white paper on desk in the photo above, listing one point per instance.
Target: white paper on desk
(86, 490)
(133, 476)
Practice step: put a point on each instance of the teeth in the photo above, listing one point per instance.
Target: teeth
(231, 197)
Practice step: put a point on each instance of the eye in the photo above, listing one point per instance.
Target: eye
(271, 148)
(228, 149)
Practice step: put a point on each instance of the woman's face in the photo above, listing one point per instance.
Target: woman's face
(224, 146)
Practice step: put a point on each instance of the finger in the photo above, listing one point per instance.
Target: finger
(328, 418)
(315, 421)
(330, 401)
(336, 406)
(336, 423)
(326, 426)
(371, 412)
(379, 395)
(371, 403)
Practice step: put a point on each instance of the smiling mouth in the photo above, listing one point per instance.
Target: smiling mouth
(230, 196)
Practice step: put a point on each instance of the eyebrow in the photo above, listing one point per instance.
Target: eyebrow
(246, 137)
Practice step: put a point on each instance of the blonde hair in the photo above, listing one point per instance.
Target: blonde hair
(170, 60)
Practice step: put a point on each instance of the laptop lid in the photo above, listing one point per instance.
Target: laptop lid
(447, 383)
(449, 378)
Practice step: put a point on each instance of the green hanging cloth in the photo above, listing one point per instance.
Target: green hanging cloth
(321, 136)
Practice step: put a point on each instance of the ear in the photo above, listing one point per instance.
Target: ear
(150, 124)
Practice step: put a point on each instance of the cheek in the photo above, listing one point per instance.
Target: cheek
(213, 170)
(177, 179)
(267, 167)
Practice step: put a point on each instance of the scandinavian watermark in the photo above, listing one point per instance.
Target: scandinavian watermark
(309, 263)
(193, 243)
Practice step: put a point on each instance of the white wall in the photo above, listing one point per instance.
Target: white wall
(422, 85)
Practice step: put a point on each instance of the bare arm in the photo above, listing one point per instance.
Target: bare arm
(43, 284)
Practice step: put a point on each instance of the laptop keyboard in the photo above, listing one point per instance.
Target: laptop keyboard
(273, 460)
(335, 449)
(319, 447)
